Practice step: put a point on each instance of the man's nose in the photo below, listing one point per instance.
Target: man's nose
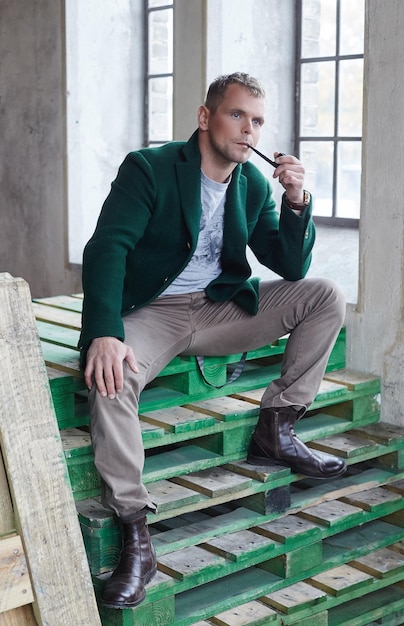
(247, 129)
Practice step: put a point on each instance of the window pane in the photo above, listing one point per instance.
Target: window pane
(349, 179)
(317, 99)
(352, 26)
(161, 42)
(160, 109)
(318, 28)
(317, 158)
(350, 98)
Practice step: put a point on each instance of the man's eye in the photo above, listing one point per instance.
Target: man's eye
(235, 114)
(257, 122)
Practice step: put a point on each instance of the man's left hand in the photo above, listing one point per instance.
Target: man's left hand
(290, 173)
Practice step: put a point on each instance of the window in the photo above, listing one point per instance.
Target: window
(158, 122)
(329, 105)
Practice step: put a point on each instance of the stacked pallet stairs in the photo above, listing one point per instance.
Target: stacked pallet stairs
(240, 545)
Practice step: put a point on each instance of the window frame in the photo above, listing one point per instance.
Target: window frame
(336, 139)
(148, 76)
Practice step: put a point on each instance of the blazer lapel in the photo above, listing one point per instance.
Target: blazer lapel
(189, 188)
(235, 234)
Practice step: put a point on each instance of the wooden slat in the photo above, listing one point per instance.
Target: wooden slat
(373, 499)
(70, 319)
(290, 530)
(178, 419)
(252, 613)
(62, 302)
(245, 543)
(340, 580)
(189, 561)
(7, 524)
(15, 585)
(295, 597)
(348, 445)
(214, 482)
(225, 408)
(167, 495)
(29, 438)
(22, 616)
(381, 563)
(352, 379)
(332, 513)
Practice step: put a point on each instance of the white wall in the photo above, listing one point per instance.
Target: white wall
(104, 104)
(242, 35)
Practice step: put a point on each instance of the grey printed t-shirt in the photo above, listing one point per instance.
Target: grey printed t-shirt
(205, 264)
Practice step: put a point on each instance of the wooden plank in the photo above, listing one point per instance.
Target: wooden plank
(341, 580)
(373, 499)
(61, 358)
(175, 462)
(382, 432)
(225, 408)
(333, 513)
(253, 613)
(214, 482)
(44, 507)
(339, 487)
(381, 563)
(291, 530)
(167, 495)
(347, 445)
(7, 524)
(265, 474)
(62, 302)
(327, 391)
(178, 419)
(353, 380)
(15, 585)
(242, 545)
(59, 335)
(294, 597)
(22, 616)
(70, 319)
(190, 561)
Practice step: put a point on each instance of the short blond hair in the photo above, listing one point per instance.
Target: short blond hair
(218, 87)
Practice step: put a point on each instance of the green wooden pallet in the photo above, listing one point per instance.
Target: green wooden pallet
(239, 545)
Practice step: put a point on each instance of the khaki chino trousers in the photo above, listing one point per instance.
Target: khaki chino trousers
(312, 310)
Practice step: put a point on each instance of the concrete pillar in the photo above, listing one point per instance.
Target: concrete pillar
(33, 213)
(376, 325)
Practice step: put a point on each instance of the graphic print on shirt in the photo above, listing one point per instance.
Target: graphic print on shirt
(205, 264)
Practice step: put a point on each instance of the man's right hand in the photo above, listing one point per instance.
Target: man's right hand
(104, 365)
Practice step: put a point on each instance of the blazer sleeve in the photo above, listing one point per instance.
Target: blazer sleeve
(283, 242)
(121, 224)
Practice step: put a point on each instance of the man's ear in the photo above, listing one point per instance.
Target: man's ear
(203, 117)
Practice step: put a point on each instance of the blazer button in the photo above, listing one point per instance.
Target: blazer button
(165, 280)
(188, 245)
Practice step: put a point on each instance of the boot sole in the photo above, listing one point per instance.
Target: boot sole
(268, 462)
(131, 605)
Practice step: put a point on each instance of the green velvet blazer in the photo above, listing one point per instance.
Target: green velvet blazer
(148, 229)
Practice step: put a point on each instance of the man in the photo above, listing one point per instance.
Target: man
(166, 273)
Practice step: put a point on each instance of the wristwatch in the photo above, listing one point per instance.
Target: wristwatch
(299, 206)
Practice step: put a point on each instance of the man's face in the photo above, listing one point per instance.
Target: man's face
(236, 122)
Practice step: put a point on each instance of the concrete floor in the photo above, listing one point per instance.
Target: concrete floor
(335, 255)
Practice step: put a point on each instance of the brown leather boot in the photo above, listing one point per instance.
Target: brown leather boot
(274, 441)
(137, 566)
